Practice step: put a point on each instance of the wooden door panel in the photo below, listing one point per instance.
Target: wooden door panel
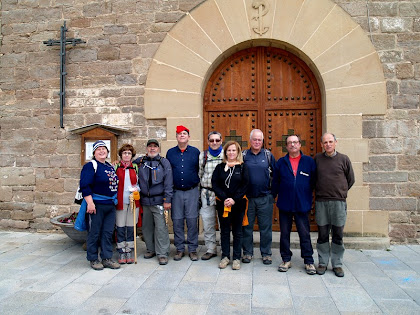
(267, 88)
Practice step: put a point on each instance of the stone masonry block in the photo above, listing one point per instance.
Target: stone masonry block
(193, 124)
(356, 149)
(392, 204)
(410, 8)
(108, 53)
(24, 196)
(375, 223)
(391, 56)
(382, 190)
(369, 129)
(386, 177)
(416, 26)
(402, 232)
(50, 185)
(358, 198)
(407, 128)
(384, 41)
(82, 55)
(396, 25)
(115, 29)
(358, 172)
(399, 217)
(404, 70)
(413, 55)
(382, 163)
(21, 215)
(385, 146)
(6, 194)
(405, 101)
(386, 129)
(354, 223)
(348, 125)
(386, 9)
(17, 176)
(14, 224)
(408, 162)
(409, 189)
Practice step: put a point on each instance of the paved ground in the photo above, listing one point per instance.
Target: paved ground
(48, 274)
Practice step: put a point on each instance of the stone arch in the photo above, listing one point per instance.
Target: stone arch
(334, 46)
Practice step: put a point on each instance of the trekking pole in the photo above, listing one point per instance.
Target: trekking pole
(133, 197)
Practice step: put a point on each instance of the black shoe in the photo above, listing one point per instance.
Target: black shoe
(178, 256)
(339, 272)
(321, 269)
(163, 260)
(208, 256)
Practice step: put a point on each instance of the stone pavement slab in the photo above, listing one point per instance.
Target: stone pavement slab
(49, 274)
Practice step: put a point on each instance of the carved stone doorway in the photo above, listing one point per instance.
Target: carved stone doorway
(266, 88)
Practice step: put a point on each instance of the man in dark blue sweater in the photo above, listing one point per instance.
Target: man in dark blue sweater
(184, 162)
(260, 163)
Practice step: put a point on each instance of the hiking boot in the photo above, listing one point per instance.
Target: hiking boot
(267, 260)
(310, 269)
(236, 265)
(208, 256)
(193, 256)
(122, 259)
(321, 269)
(130, 258)
(149, 255)
(163, 260)
(223, 263)
(96, 265)
(178, 256)
(109, 263)
(246, 259)
(339, 272)
(284, 266)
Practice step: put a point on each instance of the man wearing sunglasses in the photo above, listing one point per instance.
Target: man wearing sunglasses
(208, 161)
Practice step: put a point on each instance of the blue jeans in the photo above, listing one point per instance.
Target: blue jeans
(101, 228)
(302, 225)
(262, 208)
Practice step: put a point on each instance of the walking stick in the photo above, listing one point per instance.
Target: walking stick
(134, 196)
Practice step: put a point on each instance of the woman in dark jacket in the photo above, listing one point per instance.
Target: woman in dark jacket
(99, 189)
(229, 182)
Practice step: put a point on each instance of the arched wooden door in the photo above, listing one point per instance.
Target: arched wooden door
(266, 88)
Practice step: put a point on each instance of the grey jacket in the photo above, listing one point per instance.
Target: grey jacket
(155, 180)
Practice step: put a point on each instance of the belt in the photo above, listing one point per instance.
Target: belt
(211, 189)
(186, 189)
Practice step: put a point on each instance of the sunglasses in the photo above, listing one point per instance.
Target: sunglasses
(215, 140)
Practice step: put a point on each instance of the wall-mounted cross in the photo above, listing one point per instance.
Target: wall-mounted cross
(63, 42)
(232, 136)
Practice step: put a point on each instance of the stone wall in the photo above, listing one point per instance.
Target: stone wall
(393, 171)
(40, 162)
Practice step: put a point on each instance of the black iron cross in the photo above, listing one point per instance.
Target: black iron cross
(63, 42)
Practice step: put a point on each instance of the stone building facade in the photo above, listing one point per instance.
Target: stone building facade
(145, 65)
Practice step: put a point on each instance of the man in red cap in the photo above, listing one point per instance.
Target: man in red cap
(184, 162)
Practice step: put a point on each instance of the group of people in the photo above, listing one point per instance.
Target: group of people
(240, 186)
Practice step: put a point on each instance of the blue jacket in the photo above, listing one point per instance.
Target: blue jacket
(184, 167)
(294, 193)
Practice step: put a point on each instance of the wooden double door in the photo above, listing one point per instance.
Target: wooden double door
(266, 88)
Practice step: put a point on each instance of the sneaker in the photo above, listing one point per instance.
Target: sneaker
(149, 255)
(208, 256)
(109, 263)
(163, 260)
(321, 269)
(178, 256)
(267, 260)
(122, 259)
(339, 272)
(223, 263)
(246, 259)
(310, 269)
(193, 256)
(96, 265)
(130, 258)
(284, 266)
(236, 265)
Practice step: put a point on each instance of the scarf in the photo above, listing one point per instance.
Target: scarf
(121, 175)
(215, 152)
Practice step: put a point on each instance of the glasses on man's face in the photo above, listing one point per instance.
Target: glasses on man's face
(292, 142)
(215, 140)
(127, 153)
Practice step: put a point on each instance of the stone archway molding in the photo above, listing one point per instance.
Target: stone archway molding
(334, 46)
